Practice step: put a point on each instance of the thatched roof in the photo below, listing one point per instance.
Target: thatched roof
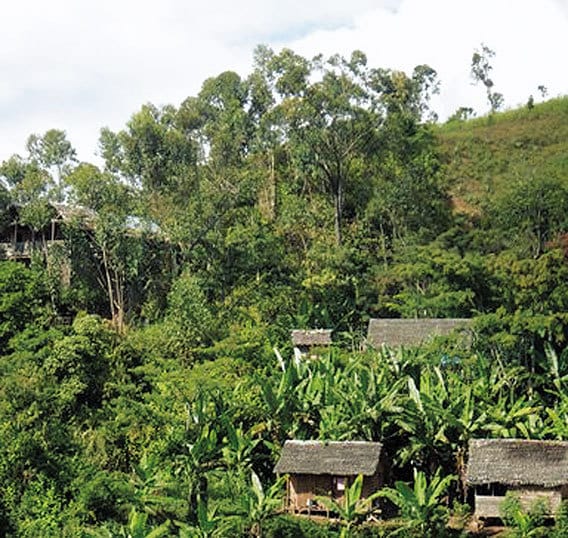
(315, 337)
(517, 462)
(69, 213)
(409, 332)
(338, 458)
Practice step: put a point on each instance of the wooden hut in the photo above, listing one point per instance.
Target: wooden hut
(19, 240)
(307, 342)
(413, 332)
(531, 469)
(326, 468)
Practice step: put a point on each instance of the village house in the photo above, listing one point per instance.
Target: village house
(325, 469)
(19, 240)
(531, 469)
(414, 332)
(307, 342)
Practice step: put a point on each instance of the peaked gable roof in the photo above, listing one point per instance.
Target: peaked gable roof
(517, 462)
(341, 458)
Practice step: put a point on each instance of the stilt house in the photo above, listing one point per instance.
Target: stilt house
(19, 240)
(325, 469)
(531, 469)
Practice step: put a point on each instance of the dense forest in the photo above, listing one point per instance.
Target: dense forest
(146, 376)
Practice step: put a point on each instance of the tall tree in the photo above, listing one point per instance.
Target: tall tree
(480, 72)
(53, 151)
(115, 236)
(326, 115)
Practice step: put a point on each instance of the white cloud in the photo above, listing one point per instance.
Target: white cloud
(530, 38)
(80, 66)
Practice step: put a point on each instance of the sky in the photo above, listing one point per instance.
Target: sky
(80, 65)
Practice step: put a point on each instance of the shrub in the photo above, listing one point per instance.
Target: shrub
(295, 527)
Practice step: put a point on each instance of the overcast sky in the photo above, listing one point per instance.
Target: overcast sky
(80, 65)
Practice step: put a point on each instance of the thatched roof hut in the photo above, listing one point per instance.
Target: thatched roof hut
(518, 462)
(326, 468)
(340, 458)
(531, 469)
(311, 338)
(412, 332)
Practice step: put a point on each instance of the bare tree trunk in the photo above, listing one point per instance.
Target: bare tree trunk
(338, 202)
(108, 283)
(273, 189)
(119, 305)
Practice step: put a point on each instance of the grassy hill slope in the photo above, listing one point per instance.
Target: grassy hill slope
(483, 155)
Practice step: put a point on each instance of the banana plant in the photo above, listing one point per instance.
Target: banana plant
(363, 405)
(281, 404)
(420, 509)
(352, 509)
(200, 457)
(137, 527)
(204, 430)
(151, 486)
(426, 422)
(259, 505)
(208, 524)
(239, 446)
(516, 418)
(524, 523)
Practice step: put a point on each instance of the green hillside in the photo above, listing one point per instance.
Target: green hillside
(485, 155)
(148, 381)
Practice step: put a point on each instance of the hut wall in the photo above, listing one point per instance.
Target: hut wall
(528, 495)
(489, 505)
(372, 484)
(304, 488)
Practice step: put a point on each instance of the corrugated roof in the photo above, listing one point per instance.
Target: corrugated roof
(517, 462)
(341, 458)
(315, 337)
(400, 332)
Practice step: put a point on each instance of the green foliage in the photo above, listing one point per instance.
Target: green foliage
(420, 506)
(524, 524)
(79, 363)
(293, 527)
(433, 281)
(103, 497)
(189, 317)
(561, 521)
(352, 509)
(480, 72)
(52, 149)
(314, 193)
(208, 524)
(532, 213)
(40, 510)
(260, 504)
(137, 527)
(23, 298)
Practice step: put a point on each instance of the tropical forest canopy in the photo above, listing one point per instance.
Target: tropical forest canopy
(146, 377)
